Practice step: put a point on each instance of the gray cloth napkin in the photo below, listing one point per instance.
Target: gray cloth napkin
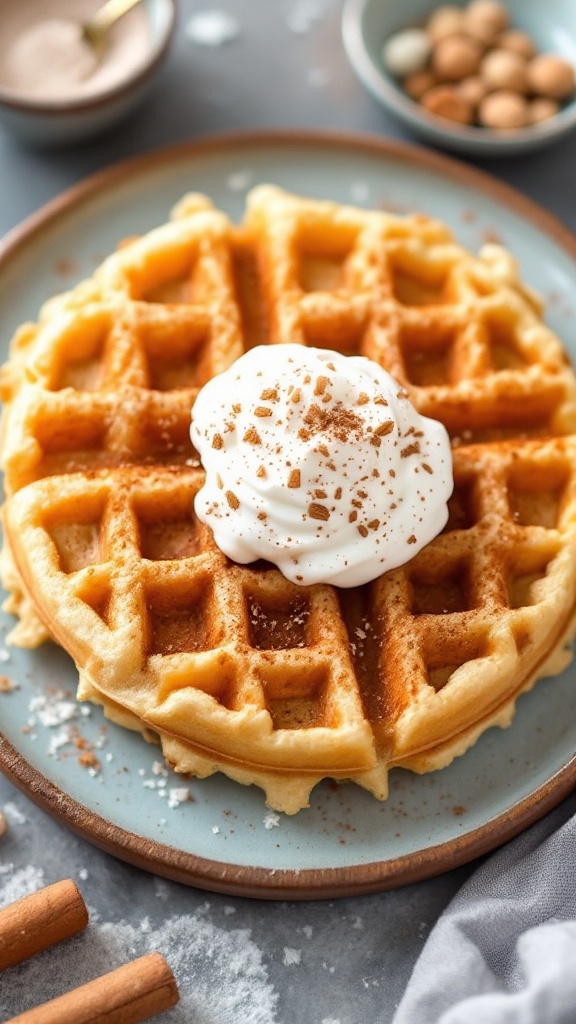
(504, 950)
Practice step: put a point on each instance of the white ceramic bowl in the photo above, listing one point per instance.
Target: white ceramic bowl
(367, 24)
(62, 122)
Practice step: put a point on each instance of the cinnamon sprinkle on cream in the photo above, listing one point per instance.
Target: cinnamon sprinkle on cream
(410, 449)
(321, 384)
(252, 436)
(338, 422)
(320, 452)
(317, 511)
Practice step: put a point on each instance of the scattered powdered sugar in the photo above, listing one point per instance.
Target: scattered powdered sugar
(317, 78)
(56, 710)
(221, 975)
(359, 192)
(14, 815)
(291, 956)
(178, 795)
(271, 820)
(52, 709)
(60, 739)
(239, 181)
(212, 28)
(305, 13)
(172, 795)
(18, 883)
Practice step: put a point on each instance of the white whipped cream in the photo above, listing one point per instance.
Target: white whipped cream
(318, 463)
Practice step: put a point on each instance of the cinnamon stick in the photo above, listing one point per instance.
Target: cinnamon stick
(129, 994)
(40, 920)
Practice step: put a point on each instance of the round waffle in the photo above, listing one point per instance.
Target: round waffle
(234, 668)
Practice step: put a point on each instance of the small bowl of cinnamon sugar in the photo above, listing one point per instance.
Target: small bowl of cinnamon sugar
(55, 89)
(482, 77)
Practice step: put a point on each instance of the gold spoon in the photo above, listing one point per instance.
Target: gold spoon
(95, 32)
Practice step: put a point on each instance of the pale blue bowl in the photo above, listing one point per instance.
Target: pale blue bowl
(64, 123)
(367, 24)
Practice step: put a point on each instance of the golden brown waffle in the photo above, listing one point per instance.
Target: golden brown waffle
(462, 334)
(235, 668)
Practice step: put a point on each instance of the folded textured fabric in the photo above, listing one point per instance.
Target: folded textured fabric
(504, 950)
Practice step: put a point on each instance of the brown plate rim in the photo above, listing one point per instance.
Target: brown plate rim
(281, 884)
(248, 881)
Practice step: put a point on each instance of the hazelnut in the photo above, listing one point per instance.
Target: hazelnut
(407, 52)
(503, 69)
(456, 57)
(503, 109)
(416, 85)
(482, 34)
(552, 76)
(517, 42)
(484, 19)
(444, 101)
(541, 109)
(473, 89)
(445, 21)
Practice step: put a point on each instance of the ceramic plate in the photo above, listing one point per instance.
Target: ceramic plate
(106, 783)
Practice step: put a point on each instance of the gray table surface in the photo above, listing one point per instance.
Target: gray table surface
(338, 962)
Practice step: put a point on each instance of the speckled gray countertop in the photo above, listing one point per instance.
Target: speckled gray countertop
(253, 962)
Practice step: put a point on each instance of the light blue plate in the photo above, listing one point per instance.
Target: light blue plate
(224, 838)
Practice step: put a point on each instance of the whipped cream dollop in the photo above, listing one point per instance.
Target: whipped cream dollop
(318, 463)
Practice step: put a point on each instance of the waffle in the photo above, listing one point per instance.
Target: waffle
(233, 668)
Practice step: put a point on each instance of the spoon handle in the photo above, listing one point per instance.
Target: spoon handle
(110, 12)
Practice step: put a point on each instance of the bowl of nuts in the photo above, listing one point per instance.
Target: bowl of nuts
(480, 76)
